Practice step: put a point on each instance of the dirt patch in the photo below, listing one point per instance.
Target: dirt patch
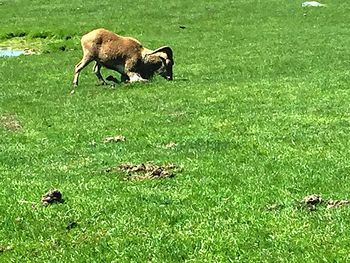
(10, 122)
(147, 171)
(117, 138)
(51, 197)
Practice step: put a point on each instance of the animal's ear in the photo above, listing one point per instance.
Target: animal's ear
(167, 50)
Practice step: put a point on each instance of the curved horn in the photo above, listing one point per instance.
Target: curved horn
(166, 50)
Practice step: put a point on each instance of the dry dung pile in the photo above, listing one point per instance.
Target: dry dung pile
(147, 171)
(337, 203)
(117, 138)
(52, 196)
(10, 122)
(5, 248)
(311, 201)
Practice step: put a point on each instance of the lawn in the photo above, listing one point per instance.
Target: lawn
(257, 118)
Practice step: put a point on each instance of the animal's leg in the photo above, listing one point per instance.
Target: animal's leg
(124, 78)
(130, 72)
(135, 77)
(82, 64)
(97, 70)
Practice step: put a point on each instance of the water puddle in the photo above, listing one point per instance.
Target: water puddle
(9, 52)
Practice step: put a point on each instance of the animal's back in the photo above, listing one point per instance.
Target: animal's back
(106, 45)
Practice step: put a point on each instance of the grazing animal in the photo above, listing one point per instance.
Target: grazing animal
(125, 55)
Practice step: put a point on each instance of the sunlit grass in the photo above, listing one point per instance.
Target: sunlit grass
(258, 112)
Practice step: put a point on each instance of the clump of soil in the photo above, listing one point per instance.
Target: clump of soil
(147, 171)
(117, 138)
(10, 122)
(51, 197)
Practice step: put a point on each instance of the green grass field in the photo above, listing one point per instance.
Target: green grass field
(258, 109)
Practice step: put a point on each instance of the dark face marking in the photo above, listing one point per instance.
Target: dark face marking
(166, 69)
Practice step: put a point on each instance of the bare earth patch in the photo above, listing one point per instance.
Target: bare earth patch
(52, 196)
(147, 171)
(10, 122)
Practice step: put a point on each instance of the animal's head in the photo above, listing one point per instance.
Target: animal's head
(162, 62)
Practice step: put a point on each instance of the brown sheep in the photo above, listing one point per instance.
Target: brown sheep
(125, 55)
